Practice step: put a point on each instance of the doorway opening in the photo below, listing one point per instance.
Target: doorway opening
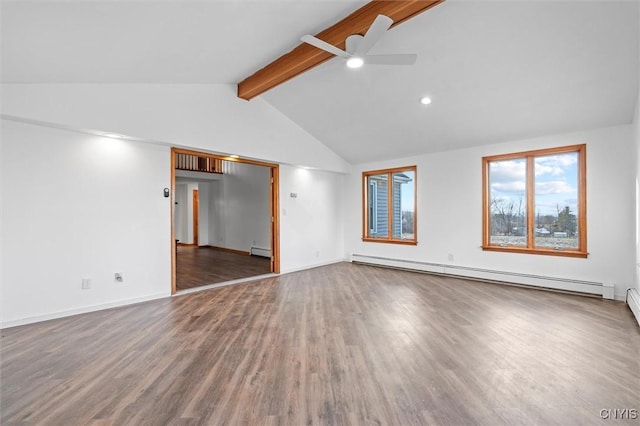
(224, 219)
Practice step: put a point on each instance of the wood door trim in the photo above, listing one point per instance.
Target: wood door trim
(174, 243)
(304, 56)
(275, 218)
(273, 204)
(196, 206)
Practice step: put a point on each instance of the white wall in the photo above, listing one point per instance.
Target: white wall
(217, 216)
(180, 212)
(240, 208)
(450, 210)
(190, 188)
(183, 213)
(636, 138)
(311, 225)
(2, 222)
(186, 182)
(206, 117)
(633, 298)
(201, 117)
(182, 218)
(79, 206)
(321, 225)
(204, 207)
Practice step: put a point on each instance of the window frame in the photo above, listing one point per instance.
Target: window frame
(530, 156)
(365, 206)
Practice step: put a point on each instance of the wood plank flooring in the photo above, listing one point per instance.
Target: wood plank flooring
(197, 266)
(341, 344)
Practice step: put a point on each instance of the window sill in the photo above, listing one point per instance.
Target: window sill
(390, 241)
(544, 252)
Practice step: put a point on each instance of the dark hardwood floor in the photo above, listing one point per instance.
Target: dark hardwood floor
(341, 344)
(197, 266)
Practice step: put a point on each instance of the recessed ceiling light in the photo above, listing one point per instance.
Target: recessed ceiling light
(425, 100)
(113, 135)
(355, 62)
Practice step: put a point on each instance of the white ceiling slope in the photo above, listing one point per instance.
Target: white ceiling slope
(147, 41)
(496, 70)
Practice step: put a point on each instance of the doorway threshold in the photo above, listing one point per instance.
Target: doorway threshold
(223, 284)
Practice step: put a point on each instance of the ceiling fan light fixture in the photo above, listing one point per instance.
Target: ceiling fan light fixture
(355, 62)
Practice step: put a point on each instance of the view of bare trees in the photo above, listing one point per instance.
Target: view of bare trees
(508, 224)
(507, 218)
(407, 222)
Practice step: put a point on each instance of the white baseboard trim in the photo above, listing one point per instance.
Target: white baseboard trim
(82, 310)
(313, 265)
(633, 301)
(606, 290)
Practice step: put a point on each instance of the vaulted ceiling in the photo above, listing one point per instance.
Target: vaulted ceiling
(495, 70)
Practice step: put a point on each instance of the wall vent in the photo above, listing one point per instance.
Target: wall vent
(259, 251)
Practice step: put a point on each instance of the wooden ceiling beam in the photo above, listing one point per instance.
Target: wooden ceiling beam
(305, 57)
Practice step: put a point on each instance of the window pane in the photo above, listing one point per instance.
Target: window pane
(556, 201)
(378, 214)
(508, 202)
(403, 205)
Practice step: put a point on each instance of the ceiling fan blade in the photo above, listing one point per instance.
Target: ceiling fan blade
(320, 44)
(377, 29)
(392, 59)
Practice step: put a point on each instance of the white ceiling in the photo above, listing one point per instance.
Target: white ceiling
(140, 41)
(496, 70)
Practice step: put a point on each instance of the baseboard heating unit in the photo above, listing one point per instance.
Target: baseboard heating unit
(538, 281)
(258, 251)
(633, 301)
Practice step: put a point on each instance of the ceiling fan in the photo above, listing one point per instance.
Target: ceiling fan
(358, 46)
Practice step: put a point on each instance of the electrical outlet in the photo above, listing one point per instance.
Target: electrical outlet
(118, 277)
(86, 284)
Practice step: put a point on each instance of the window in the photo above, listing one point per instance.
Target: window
(535, 202)
(373, 207)
(389, 201)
